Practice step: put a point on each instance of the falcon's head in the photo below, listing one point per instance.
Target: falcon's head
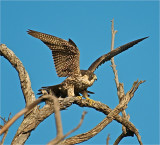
(90, 76)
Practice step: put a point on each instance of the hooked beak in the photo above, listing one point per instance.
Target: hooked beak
(95, 78)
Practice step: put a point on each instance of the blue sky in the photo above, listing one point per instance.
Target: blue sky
(88, 24)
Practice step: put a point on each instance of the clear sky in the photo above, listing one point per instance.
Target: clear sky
(88, 24)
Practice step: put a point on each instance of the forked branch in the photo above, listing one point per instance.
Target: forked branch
(121, 106)
(120, 87)
(6, 132)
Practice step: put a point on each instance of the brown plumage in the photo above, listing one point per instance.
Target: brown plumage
(113, 53)
(66, 60)
(65, 53)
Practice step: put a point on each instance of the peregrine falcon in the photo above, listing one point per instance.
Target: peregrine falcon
(66, 60)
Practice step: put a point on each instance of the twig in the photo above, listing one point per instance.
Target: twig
(58, 118)
(112, 59)
(57, 140)
(4, 137)
(108, 138)
(120, 88)
(129, 133)
(80, 123)
(119, 139)
(58, 123)
(6, 132)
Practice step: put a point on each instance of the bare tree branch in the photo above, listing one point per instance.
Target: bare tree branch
(57, 140)
(119, 139)
(120, 88)
(121, 106)
(48, 109)
(112, 59)
(66, 102)
(58, 118)
(129, 133)
(19, 114)
(58, 122)
(108, 138)
(23, 75)
(6, 132)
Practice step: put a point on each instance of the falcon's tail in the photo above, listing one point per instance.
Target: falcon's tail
(57, 91)
(53, 90)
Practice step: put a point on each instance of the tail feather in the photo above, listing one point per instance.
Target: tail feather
(56, 90)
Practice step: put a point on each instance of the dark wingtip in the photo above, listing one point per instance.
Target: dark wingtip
(113, 53)
(145, 37)
(141, 39)
(137, 41)
(29, 31)
(72, 42)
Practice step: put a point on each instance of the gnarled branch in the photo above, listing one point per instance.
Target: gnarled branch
(23, 75)
(121, 106)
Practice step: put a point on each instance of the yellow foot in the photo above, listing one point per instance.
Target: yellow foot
(79, 97)
(90, 100)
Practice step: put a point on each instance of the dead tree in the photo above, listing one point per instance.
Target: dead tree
(33, 116)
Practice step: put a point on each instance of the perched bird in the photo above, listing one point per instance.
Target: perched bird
(66, 59)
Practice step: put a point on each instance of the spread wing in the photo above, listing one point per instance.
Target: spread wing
(65, 53)
(111, 54)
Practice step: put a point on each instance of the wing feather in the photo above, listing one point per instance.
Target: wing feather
(65, 53)
(111, 54)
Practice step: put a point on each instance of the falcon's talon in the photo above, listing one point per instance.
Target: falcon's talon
(90, 100)
(79, 97)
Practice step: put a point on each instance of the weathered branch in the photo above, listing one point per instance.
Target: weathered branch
(58, 118)
(121, 106)
(120, 88)
(23, 75)
(23, 111)
(58, 122)
(26, 89)
(129, 133)
(112, 59)
(48, 109)
(107, 140)
(6, 132)
(57, 140)
(119, 139)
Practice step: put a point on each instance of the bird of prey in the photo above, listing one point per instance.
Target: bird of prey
(66, 60)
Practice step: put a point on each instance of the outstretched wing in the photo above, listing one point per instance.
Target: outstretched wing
(111, 54)
(65, 53)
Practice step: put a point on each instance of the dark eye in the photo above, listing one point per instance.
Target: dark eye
(90, 77)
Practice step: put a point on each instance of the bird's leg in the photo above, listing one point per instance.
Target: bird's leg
(70, 91)
(85, 95)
